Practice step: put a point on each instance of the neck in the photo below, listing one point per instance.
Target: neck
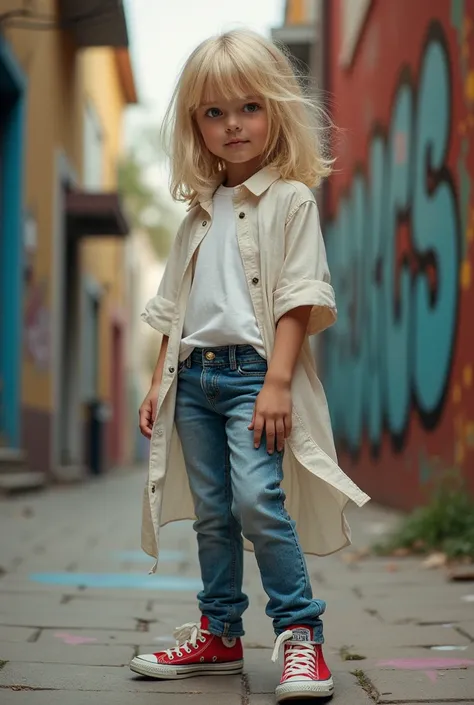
(238, 173)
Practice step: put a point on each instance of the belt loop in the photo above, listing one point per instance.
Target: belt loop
(232, 358)
(189, 361)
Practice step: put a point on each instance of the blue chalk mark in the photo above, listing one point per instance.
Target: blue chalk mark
(119, 580)
(141, 556)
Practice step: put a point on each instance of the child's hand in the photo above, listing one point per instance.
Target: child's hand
(147, 411)
(272, 414)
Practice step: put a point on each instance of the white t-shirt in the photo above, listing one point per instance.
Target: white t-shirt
(220, 310)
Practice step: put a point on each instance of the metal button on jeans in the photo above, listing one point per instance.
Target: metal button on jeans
(209, 355)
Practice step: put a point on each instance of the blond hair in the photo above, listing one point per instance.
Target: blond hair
(233, 65)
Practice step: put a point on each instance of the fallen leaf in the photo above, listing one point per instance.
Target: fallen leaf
(435, 560)
(355, 556)
(391, 567)
(401, 552)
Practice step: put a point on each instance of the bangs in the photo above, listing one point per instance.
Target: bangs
(220, 75)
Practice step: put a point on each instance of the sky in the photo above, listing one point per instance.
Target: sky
(163, 33)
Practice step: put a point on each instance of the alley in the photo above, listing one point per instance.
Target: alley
(76, 603)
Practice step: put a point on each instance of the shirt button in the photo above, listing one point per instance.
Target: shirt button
(241, 215)
(153, 489)
(255, 280)
(160, 432)
(171, 369)
(204, 223)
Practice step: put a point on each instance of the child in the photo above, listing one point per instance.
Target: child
(235, 394)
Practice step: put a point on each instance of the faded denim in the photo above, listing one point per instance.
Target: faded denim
(236, 490)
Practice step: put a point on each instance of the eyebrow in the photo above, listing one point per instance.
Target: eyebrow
(216, 102)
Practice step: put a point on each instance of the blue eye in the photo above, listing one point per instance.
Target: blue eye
(213, 112)
(251, 107)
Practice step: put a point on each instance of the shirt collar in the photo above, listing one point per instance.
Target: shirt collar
(256, 184)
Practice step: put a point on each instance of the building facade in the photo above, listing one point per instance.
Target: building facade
(65, 81)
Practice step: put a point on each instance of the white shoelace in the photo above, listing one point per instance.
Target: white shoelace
(299, 658)
(187, 636)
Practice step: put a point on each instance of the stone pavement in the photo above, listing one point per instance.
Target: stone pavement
(76, 603)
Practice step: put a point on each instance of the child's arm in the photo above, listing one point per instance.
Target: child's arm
(289, 337)
(147, 411)
(159, 313)
(274, 408)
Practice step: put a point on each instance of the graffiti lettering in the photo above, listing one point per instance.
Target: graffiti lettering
(394, 251)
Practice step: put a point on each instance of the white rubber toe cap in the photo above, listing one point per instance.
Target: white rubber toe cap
(149, 658)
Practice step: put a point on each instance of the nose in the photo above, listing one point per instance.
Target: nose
(233, 124)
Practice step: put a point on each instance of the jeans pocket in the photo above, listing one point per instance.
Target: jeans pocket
(252, 368)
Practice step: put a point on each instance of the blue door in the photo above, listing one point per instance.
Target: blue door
(12, 118)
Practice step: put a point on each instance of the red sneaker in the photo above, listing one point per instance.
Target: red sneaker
(197, 653)
(305, 674)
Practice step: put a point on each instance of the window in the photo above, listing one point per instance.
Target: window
(93, 149)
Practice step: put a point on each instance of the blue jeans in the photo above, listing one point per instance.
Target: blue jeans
(236, 490)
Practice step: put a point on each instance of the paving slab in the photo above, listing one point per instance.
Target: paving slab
(21, 584)
(421, 612)
(64, 606)
(468, 628)
(423, 687)
(347, 692)
(263, 675)
(376, 653)
(389, 635)
(431, 590)
(61, 697)
(98, 678)
(103, 637)
(19, 634)
(15, 583)
(14, 602)
(74, 654)
(71, 619)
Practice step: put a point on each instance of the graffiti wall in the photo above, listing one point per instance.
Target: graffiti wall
(398, 366)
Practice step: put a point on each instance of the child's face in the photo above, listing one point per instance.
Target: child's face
(234, 130)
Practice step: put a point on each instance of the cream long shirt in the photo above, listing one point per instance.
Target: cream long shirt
(285, 265)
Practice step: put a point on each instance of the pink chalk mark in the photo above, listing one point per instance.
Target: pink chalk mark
(73, 640)
(429, 666)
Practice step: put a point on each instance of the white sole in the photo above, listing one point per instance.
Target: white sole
(305, 689)
(165, 671)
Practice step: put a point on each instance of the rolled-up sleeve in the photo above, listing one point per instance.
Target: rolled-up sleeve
(160, 311)
(304, 279)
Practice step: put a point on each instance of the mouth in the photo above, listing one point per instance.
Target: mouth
(233, 143)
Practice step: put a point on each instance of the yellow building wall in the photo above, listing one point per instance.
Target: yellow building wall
(296, 11)
(103, 258)
(60, 81)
